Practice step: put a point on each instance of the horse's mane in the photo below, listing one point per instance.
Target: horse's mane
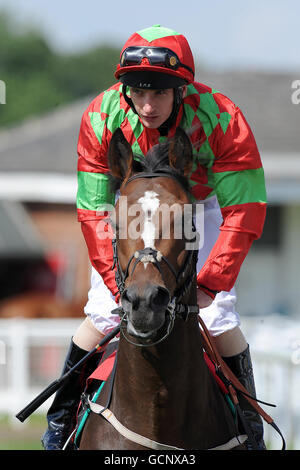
(157, 161)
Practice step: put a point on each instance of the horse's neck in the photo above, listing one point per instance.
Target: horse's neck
(159, 375)
(167, 393)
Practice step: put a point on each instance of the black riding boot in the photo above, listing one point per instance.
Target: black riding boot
(241, 366)
(61, 415)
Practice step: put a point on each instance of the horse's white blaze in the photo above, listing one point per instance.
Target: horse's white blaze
(150, 204)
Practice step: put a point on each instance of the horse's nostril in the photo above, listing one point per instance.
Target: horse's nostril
(159, 298)
(130, 296)
(155, 298)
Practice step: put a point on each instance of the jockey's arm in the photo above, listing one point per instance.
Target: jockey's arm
(238, 181)
(87, 336)
(94, 198)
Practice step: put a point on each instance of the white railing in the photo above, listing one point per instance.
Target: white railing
(32, 353)
(276, 378)
(275, 347)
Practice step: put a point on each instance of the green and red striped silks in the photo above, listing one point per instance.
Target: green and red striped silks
(226, 164)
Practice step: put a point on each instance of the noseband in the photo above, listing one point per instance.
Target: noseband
(175, 306)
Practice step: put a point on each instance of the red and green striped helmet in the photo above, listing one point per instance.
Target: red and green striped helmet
(157, 49)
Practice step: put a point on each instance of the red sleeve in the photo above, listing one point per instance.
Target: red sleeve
(98, 236)
(94, 191)
(238, 181)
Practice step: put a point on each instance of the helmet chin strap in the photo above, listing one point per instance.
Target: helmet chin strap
(127, 99)
(164, 128)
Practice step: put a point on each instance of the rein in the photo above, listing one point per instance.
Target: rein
(233, 385)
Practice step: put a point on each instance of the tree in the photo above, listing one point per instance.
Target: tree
(38, 79)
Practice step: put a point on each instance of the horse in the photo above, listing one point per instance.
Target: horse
(162, 394)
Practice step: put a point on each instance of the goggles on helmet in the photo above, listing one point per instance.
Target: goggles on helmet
(157, 56)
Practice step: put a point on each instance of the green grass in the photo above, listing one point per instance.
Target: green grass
(25, 436)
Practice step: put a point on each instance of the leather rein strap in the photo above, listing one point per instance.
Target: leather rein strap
(231, 381)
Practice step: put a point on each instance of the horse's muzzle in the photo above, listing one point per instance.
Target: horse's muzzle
(145, 309)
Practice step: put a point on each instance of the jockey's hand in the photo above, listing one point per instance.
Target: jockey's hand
(203, 300)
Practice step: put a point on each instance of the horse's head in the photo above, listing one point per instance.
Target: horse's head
(151, 219)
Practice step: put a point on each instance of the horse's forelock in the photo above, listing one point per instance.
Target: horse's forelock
(155, 161)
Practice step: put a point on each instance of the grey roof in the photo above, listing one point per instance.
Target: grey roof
(266, 101)
(48, 143)
(44, 143)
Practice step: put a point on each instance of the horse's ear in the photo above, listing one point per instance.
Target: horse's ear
(120, 156)
(180, 152)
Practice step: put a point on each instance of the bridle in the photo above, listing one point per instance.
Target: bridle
(185, 277)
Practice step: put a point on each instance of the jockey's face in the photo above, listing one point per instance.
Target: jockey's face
(153, 106)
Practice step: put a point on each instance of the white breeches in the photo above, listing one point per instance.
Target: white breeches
(219, 317)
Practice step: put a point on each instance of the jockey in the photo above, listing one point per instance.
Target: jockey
(154, 94)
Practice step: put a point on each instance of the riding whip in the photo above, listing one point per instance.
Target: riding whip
(54, 386)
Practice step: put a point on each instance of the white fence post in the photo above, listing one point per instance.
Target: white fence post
(18, 337)
(19, 364)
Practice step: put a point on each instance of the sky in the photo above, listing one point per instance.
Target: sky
(223, 34)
